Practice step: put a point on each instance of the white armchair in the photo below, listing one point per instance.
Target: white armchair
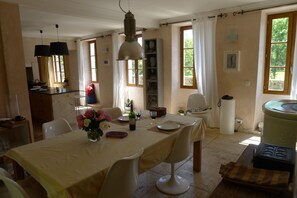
(197, 107)
(55, 127)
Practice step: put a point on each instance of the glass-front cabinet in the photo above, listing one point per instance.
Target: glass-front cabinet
(153, 75)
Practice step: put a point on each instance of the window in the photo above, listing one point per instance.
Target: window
(134, 69)
(59, 68)
(93, 61)
(187, 69)
(280, 40)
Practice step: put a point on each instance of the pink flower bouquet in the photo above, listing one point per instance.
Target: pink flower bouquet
(93, 122)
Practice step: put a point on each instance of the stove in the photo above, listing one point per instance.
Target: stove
(274, 157)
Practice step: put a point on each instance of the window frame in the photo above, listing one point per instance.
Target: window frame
(194, 86)
(55, 71)
(290, 52)
(136, 70)
(90, 62)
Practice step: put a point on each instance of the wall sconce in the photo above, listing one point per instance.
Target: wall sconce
(58, 48)
(42, 50)
(130, 49)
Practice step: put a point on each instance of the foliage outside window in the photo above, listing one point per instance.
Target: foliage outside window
(93, 61)
(187, 72)
(134, 69)
(280, 40)
(59, 68)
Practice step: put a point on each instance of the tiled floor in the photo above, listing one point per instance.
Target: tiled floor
(217, 149)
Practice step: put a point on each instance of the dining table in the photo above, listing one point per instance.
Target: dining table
(69, 165)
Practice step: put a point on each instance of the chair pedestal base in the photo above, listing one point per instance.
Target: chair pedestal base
(172, 185)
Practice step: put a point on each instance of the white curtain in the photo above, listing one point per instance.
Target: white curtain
(204, 33)
(119, 71)
(293, 94)
(82, 72)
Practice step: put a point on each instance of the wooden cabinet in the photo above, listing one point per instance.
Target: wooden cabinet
(52, 105)
(13, 134)
(41, 107)
(153, 74)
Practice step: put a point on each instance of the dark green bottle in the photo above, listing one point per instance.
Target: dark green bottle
(132, 118)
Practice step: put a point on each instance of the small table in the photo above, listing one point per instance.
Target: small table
(228, 189)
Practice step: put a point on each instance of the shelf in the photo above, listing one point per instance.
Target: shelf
(153, 77)
(148, 80)
(14, 134)
(150, 53)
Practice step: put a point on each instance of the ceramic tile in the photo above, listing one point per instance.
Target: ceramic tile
(193, 192)
(206, 180)
(146, 181)
(217, 149)
(227, 145)
(164, 168)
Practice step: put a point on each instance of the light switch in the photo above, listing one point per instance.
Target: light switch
(247, 83)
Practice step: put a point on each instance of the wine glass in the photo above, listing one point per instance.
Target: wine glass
(153, 115)
(138, 115)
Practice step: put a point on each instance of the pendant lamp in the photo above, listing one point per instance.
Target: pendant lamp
(130, 49)
(58, 48)
(42, 50)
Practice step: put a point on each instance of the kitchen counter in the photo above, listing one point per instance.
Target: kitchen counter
(50, 104)
(54, 91)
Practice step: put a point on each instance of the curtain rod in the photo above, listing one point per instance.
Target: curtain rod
(106, 35)
(254, 10)
(188, 20)
(102, 36)
(234, 13)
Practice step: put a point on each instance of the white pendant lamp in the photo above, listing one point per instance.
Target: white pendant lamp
(130, 49)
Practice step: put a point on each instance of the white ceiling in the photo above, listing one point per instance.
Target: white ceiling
(82, 18)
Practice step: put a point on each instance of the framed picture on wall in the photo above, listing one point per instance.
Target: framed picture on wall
(231, 60)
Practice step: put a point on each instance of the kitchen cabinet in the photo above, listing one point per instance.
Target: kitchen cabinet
(153, 74)
(41, 107)
(49, 105)
(13, 134)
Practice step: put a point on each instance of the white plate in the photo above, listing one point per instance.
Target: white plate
(5, 119)
(123, 118)
(199, 112)
(168, 126)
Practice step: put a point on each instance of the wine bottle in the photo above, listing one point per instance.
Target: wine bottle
(132, 118)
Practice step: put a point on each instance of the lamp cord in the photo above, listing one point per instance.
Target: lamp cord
(57, 26)
(41, 37)
(121, 6)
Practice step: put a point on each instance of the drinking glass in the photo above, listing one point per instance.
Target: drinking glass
(138, 115)
(153, 115)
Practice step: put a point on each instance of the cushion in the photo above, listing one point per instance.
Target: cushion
(90, 92)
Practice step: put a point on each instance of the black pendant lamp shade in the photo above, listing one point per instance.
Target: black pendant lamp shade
(130, 49)
(58, 48)
(42, 50)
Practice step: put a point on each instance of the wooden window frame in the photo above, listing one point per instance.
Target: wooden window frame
(90, 63)
(136, 71)
(59, 73)
(194, 86)
(290, 52)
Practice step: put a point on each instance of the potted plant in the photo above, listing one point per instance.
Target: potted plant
(128, 104)
(65, 83)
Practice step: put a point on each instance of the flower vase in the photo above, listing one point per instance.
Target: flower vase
(93, 136)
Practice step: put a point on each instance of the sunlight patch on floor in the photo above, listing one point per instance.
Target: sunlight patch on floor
(252, 140)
